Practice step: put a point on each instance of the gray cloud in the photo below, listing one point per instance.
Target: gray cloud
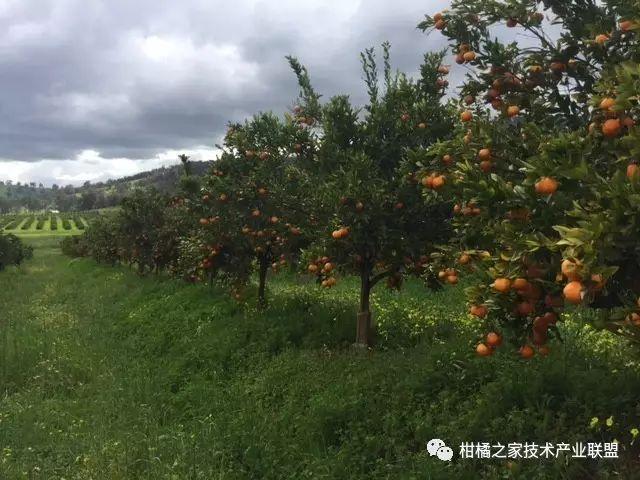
(135, 80)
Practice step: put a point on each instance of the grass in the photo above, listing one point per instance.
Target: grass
(110, 376)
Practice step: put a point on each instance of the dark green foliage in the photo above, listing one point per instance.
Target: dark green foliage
(13, 251)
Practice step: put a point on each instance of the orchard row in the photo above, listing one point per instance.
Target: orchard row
(527, 179)
(46, 222)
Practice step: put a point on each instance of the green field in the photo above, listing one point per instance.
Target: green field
(106, 375)
(45, 224)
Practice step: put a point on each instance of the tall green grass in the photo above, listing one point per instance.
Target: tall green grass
(111, 376)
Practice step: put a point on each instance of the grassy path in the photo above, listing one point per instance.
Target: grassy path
(106, 375)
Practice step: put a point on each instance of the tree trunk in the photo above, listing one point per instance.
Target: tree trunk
(363, 331)
(264, 268)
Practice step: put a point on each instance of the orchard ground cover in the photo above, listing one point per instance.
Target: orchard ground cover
(109, 375)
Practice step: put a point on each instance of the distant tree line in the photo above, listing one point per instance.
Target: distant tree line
(18, 196)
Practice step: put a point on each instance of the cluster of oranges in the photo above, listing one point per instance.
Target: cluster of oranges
(449, 276)
(209, 220)
(485, 156)
(492, 341)
(262, 155)
(465, 54)
(301, 118)
(342, 232)
(613, 122)
(282, 261)
(434, 181)
(323, 268)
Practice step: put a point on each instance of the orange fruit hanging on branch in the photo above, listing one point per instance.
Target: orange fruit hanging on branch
(546, 186)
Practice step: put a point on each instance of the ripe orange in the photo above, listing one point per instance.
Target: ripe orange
(328, 267)
(557, 67)
(437, 16)
(264, 155)
(359, 206)
(255, 213)
(570, 269)
(438, 182)
(483, 351)
(502, 285)
(443, 69)
(539, 337)
(484, 154)
(512, 22)
(469, 99)
(479, 311)
(464, 259)
(526, 352)
(493, 339)
(541, 324)
(633, 319)
(607, 103)
(405, 117)
(486, 166)
(632, 170)
(249, 153)
(469, 56)
(626, 25)
(459, 59)
(551, 318)
(440, 24)
(602, 39)
(520, 283)
(452, 279)
(422, 126)
(513, 111)
(466, 116)
(336, 234)
(447, 159)
(204, 221)
(611, 128)
(573, 292)
(546, 186)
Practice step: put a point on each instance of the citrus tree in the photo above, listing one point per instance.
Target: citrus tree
(374, 223)
(253, 210)
(13, 251)
(540, 139)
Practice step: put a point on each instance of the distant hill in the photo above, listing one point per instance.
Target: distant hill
(17, 197)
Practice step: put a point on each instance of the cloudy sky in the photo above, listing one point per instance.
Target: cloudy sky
(96, 89)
